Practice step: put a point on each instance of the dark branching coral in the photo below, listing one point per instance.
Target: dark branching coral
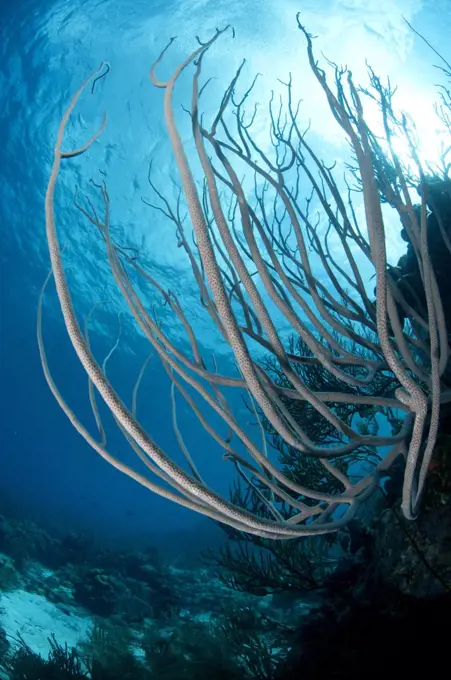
(314, 376)
(4, 644)
(101, 663)
(259, 642)
(108, 654)
(63, 663)
(195, 651)
(260, 566)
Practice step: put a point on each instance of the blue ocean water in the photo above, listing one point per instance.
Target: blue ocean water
(48, 474)
(47, 48)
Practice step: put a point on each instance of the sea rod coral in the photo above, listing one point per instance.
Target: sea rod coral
(255, 249)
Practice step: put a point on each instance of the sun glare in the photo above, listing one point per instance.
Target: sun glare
(426, 131)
